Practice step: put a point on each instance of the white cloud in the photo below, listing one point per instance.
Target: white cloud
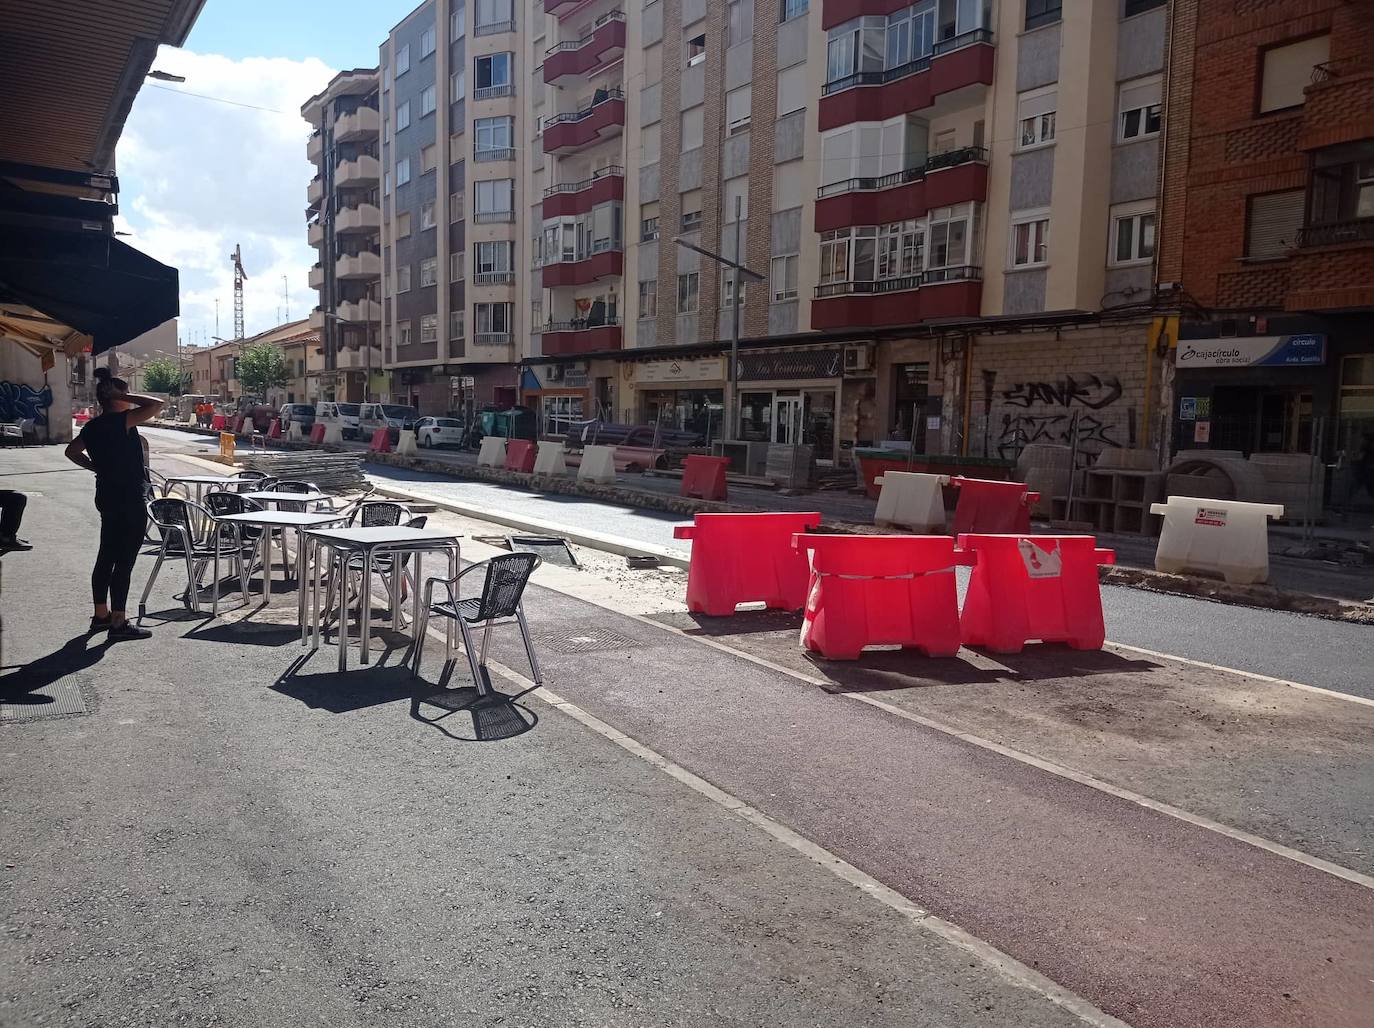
(198, 177)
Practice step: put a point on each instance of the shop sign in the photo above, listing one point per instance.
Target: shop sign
(1252, 351)
(1187, 408)
(704, 369)
(790, 365)
(575, 378)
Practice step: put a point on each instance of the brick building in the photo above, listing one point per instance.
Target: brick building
(1268, 224)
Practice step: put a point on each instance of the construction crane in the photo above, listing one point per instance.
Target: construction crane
(239, 275)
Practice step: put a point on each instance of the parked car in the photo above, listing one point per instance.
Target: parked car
(393, 417)
(302, 414)
(439, 432)
(345, 415)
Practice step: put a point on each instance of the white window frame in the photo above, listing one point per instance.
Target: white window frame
(479, 206)
(403, 60)
(427, 215)
(493, 257)
(455, 266)
(1042, 125)
(741, 123)
(506, 58)
(457, 25)
(427, 43)
(688, 292)
(402, 171)
(779, 268)
(403, 116)
(403, 334)
(428, 99)
(429, 328)
(1143, 111)
(505, 122)
(429, 272)
(457, 85)
(652, 294)
(1036, 224)
(727, 279)
(456, 324)
(403, 278)
(490, 309)
(1134, 213)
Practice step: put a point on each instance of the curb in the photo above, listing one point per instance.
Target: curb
(1265, 597)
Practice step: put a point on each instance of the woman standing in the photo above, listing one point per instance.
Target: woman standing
(110, 446)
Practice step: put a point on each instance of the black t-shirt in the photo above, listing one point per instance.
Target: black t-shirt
(117, 453)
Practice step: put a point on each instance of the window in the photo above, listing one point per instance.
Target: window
(491, 13)
(536, 312)
(910, 35)
(426, 42)
(690, 204)
(727, 291)
(426, 101)
(402, 60)
(695, 49)
(457, 86)
(736, 191)
(494, 196)
(857, 46)
(429, 271)
(950, 238)
(648, 221)
(455, 266)
(1042, 12)
(648, 298)
(737, 103)
(403, 116)
(495, 257)
(426, 215)
(428, 158)
(791, 89)
(455, 324)
(784, 272)
(1030, 234)
(688, 289)
(429, 328)
(1134, 7)
(649, 143)
(403, 334)
(455, 206)
(403, 171)
(693, 127)
(739, 21)
(493, 71)
(1272, 223)
(492, 318)
(403, 279)
(901, 248)
(386, 183)
(1287, 71)
(789, 182)
(1343, 186)
(793, 9)
(403, 225)
(458, 22)
(1035, 118)
(1140, 106)
(561, 414)
(494, 135)
(1133, 234)
(849, 255)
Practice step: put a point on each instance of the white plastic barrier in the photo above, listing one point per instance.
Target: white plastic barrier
(493, 452)
(333, 434)
(912, 500)
(1226, 536)
(598, 465)
(550, 459)
(405, 446)
(294, 433)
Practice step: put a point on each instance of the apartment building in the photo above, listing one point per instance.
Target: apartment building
(344, 222)
(1268, 224)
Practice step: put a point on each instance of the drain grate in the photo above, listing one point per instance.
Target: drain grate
(61, 699)
(581, 637)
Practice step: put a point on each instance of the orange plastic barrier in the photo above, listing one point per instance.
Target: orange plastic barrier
(520, 455)
(381, 441)
(1034, 587)
(704, 477)
(274, 432)
(881, 590)
(217, 422)
(317, 433)
(746, 558)
(237, 428)
(986, 506)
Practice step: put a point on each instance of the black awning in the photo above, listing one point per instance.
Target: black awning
(89, 281)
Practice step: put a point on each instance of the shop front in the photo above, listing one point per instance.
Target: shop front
(793, 397)
(686, 394)
(565, 394)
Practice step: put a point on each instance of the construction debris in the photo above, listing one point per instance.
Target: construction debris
(331, 472)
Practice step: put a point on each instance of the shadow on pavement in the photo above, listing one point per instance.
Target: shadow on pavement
(1057, 660)
(744, 622)
(74, 655)
(246, 632)
(494, 717)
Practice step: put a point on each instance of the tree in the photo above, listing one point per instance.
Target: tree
(162, 375)
(259, 368)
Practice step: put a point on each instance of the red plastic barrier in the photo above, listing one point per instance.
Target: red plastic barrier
(239, 419)
(1034, 587)
(381, 441)
(746, 558)
(704, 477)
(881, 590)
(275, 431)
(520, 454)
(986, 506)
(317, 433)
(217, 422)
(82, 416)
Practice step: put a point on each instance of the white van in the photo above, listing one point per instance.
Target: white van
(345, 415)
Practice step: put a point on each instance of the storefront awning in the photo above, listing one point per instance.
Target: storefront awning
(88, 280)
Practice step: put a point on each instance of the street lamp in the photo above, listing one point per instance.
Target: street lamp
(732, 406)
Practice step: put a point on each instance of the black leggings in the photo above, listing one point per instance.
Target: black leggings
(123, 520)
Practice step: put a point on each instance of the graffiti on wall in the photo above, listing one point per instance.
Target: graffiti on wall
(19, 402)
(1084, 404)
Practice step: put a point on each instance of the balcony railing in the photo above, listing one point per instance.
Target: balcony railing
(493, 278)
(577, 187)
(950, 159)
(493, 92)
(578, 44)
(493, 217)
(494, 28)
(491, 339)
(931, 276)
(499, 153)
(962, 40)
(1356, 230)
(953, 273)
(586, 112)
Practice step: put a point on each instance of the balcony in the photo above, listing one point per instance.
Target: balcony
(366, 219)
(317, 319)
(948, 178)
(360, 312)
(960, 61)
(576, 130)
(317, 276)
(605, 44)
(314, 147)
(565, 337)
(605, 264)
(489, 348)
(558, 8)
(363, 265)
(363, 123)
(837, 12)
(935, 293)
(493, 153)
(1337, 233)
(1332, 267)
(358, 358)
(493, 28)
(493, 92)
(568, 198)
(361, 171)
(314, 233)
(493, 278)
(314, 192)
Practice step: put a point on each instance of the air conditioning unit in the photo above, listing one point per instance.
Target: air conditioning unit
(553, 372)
(857, 359)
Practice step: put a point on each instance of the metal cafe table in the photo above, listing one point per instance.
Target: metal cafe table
(268, 520)
(273, 497)
(200, 482)
(345, 543)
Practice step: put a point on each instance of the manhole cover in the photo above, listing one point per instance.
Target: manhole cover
(582, 638)
(61, 699)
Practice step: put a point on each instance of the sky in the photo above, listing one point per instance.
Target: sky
(198, 176)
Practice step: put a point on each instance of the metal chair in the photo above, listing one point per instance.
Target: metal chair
(175, 518)
(296, 486)
(255, 475)
(499, 604)
(248, 537)
(377, 514)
